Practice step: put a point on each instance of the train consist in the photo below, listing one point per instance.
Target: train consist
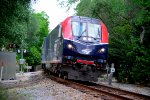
(76, 49)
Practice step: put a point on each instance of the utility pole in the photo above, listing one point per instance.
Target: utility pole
(22, 61)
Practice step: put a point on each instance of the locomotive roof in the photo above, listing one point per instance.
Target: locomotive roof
(85, 19)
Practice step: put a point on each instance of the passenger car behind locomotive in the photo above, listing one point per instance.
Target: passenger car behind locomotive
(76, 48)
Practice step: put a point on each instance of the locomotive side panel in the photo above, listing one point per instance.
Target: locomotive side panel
(56, 45)
(52, 48)
(45, 47)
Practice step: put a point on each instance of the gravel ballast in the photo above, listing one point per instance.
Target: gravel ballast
(34, 86)
(45, 89)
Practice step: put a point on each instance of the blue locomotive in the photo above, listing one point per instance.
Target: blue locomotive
(76, 48)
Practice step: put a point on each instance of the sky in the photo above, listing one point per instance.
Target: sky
(55, 12)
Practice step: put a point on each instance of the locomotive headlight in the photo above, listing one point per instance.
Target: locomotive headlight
(102, 50)
(70, 46)
(89, 39)
(84, 38)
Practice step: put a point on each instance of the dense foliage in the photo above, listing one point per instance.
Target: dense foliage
(20, 25)
(37, 30)
(13, 21)
(128, 22)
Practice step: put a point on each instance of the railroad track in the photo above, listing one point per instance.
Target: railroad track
(102, 91)
(124, 93)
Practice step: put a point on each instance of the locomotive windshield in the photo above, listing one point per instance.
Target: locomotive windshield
(86, 29)
(94, 30)
(79, 29)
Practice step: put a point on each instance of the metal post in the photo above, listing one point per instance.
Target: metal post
(21, 65)
(111, 74)
(107, 67)
(21, 53)
(110, 78)
(1, 73)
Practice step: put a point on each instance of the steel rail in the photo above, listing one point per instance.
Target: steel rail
(123, 92)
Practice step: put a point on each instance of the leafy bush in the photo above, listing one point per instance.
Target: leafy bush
(33, 57)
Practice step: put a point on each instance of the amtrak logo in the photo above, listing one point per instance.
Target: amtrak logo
(86, 51)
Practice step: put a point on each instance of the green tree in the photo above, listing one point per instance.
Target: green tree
(13, 21)
(37, 31)
(20, 25)
(33, 57)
